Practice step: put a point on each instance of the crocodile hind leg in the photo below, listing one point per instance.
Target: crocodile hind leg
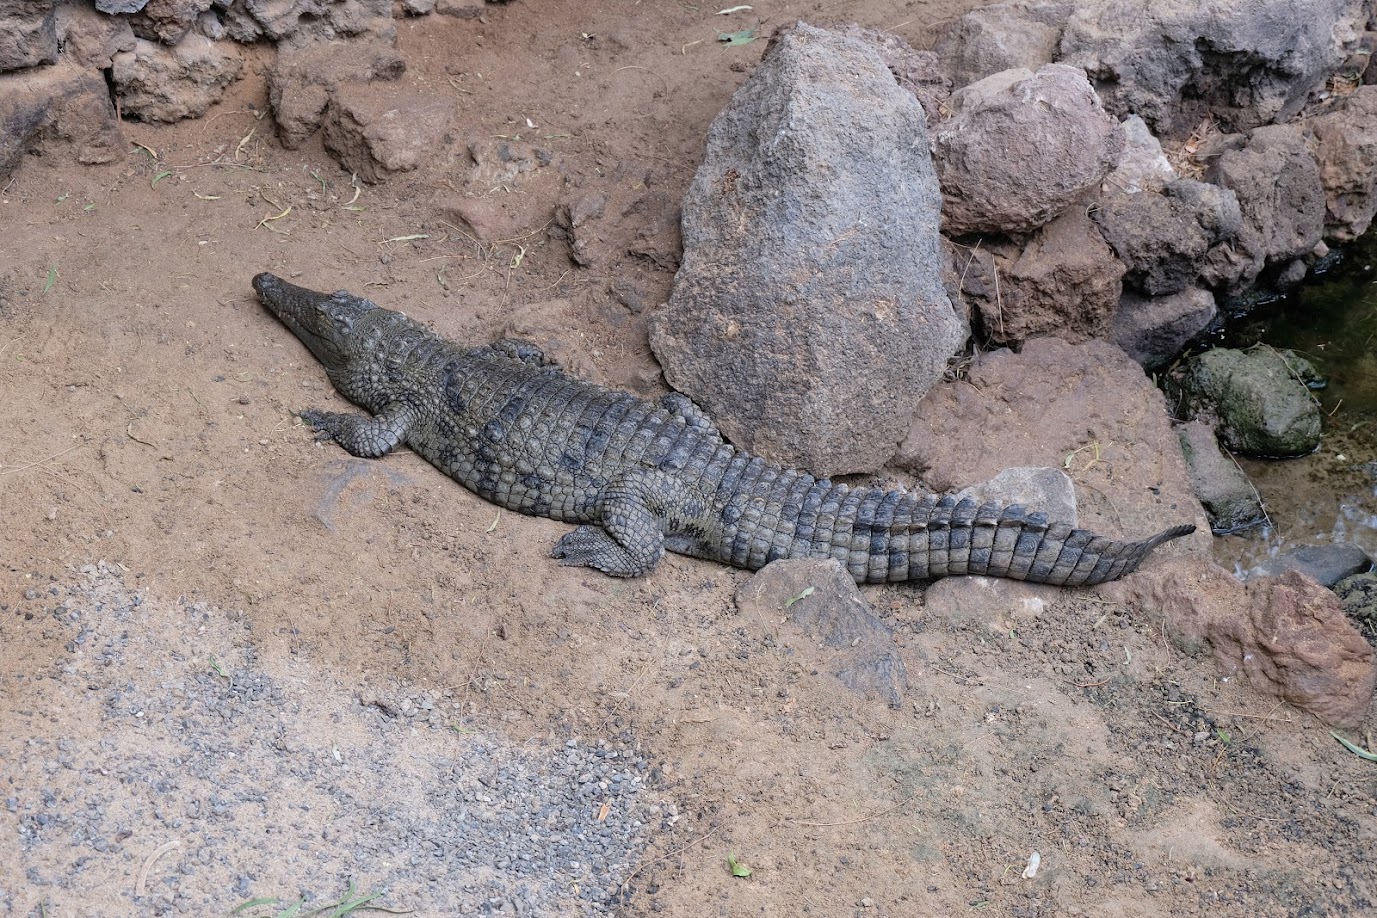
(681, 406)
(514, 349)
(634, 513)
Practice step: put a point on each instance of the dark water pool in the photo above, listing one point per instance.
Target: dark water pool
(1331, 495)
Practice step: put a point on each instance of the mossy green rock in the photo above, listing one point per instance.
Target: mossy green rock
(1258, 400)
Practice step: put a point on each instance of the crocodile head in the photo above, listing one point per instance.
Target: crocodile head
(324, 322)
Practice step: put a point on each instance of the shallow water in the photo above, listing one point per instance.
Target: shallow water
(1330, 495)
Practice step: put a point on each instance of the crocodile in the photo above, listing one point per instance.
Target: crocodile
(641, 478)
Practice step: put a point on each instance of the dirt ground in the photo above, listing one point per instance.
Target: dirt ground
(238, 664)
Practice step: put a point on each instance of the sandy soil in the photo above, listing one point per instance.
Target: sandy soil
(215, 631)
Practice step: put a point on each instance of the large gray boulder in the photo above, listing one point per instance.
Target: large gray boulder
(809, 316)
(1020, 147)
(1282, 200)
(28, 34)
(1346, 148)
(1245, 62)
(1256, 399)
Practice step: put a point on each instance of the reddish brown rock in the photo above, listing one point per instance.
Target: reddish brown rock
(375, 130)
(1286, 635)
(1020, 148)
(505, 191)
(1066, 282)
(1302, 648)
(28, 34)
(91, 39)
(1086, 408)
(1282, 201)
(1346, 149)
(46, 109)
(302, 81)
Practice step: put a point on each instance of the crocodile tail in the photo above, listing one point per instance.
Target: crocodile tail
(1025, 546)
(889, 536)
(930, 538)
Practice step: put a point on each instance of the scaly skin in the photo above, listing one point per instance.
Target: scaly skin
(643, 478)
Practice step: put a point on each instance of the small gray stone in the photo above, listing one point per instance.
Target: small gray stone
(1229, 498)
(822, 600)
(1143, 166)
(1154, 329)
(1325, 564)
(1156, 237)
(210, 26)
(1047, 489)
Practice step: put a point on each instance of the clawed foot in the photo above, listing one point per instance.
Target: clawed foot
(324, 423)
(590, 546)
(584, 547)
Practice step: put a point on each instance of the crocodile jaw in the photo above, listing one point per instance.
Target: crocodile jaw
(322, 321)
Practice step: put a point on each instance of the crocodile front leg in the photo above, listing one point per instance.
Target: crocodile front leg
(363, 436)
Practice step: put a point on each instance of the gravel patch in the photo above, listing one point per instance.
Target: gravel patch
(158, 764)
